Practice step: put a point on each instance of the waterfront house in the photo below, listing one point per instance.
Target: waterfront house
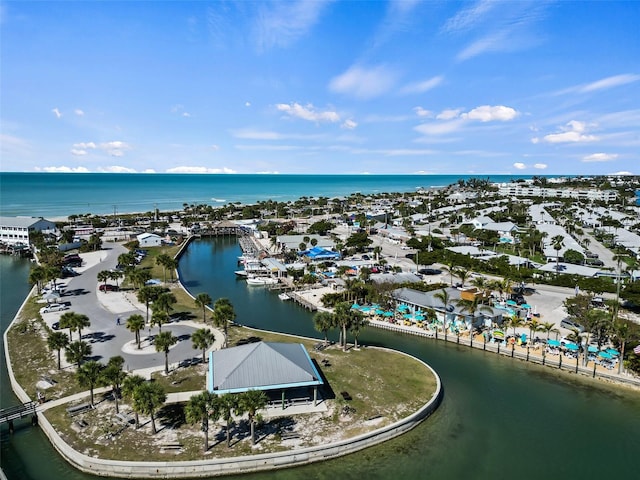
(17, 230)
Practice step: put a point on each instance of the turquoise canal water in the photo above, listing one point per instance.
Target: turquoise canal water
(499, 417)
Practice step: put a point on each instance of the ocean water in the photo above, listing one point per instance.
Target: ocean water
(62, 194)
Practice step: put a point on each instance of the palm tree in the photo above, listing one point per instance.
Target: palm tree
(171, 265)
(229, 405)
(323, 322)
(202, 339)
(462, 274)
(163, 342)
(115, 275)
(77, 351)
(622, 335)
(135, 323)
(148, 295)
(113, 375)
(223, 313)
(199, 409)
(250, 402)
(472, 307)
(444, 297)
(129, 386)
(534, 326)
(57, 341)
(37, 275)
(548, 327)
(89, 374)
(165, 302)
(81, 321)
(67, 320)
(163, 260)
(358, 322)
(344, 315)
(203, 300)
(103, 276)
(148, 397)
(159, 317)
(557, 242)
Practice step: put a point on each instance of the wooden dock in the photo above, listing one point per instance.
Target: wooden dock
(302, 301)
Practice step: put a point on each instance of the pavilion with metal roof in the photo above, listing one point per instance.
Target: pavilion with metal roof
(276, 368)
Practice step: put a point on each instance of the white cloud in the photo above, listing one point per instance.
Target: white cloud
(600, 157)
(149, 170)
(468, 17)
(488, 113)
(621, 173)
(364, 83)
(424, 86)
(57, 113)
(256, 135)
(421, 112)
(603, 84)
(13, 146)
(215, 147)
(448, 114)
(280, 24)
(78, 112)
(519, 166)
(572, 132)
(442, 128)
(540, 166)
(63, 169)
(453, 119)
(78, 152)
(247, 104)
(187, 169)
(84, 145)
(115, 148)
(349, 124)
(308, 112)
(116, 169)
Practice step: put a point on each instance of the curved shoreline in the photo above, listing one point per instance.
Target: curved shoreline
(227, 465)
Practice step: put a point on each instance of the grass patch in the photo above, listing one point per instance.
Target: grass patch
(32, 360)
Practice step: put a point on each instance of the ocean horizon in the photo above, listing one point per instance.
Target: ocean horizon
(55, 194)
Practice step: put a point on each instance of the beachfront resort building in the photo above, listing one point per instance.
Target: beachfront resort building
(17, 230)
(284, 371)
(523, 189)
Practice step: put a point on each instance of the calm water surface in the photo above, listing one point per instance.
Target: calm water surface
(498, 418)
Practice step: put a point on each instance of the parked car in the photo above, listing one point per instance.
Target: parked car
(570, 324)
(594, 262)
(430, 271)
(54, 307)
(107, 287)
(56, 326)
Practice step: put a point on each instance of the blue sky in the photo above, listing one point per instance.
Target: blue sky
(434, 87)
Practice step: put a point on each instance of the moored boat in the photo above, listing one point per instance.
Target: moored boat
(261, 281)
(284, 296)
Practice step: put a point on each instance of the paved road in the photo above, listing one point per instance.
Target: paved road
(105, 336)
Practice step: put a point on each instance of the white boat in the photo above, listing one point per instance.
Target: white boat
(261, 281)
(284, 296)
(241, 273)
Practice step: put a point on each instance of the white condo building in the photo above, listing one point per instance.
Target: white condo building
(16, 230)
